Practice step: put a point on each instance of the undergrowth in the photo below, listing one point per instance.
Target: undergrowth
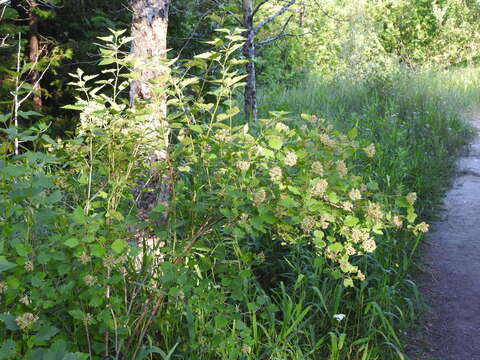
(419, 123)
(293, 239)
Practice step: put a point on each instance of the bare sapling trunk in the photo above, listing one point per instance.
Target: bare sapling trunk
(149, 30)
(250, 48)
(33, 55)
(250, 108)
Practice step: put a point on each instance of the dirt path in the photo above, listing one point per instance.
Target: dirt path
(451, 284)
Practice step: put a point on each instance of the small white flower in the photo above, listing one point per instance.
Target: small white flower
(339, 317)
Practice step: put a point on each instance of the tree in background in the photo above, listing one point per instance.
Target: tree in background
(149, 49)
(251, 46)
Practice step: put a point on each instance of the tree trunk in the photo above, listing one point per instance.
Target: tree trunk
(33, 55)
(301, 20)
(149, 30)
(249, 53)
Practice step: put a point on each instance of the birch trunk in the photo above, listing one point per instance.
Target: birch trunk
(33, 47)
(249, 53)
(149, 30)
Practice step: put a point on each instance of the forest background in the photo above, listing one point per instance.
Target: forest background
(286, 237)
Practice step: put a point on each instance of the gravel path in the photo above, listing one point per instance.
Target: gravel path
(451, 283)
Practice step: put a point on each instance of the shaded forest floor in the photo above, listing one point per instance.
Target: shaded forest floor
(450, 281)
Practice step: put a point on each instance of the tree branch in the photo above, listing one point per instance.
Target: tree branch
(258, 46)
(263, 2)
(274, 16)
(276, 37)
(234, 16)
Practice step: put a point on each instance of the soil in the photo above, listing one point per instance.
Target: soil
(451, 281)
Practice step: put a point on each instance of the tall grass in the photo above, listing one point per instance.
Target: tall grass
(418, 123)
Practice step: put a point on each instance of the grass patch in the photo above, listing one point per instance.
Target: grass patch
(418, 123)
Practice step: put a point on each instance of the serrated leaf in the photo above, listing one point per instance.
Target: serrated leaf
(332, 197)
(97, 250)
(45, 333)
(76, 314)
(335, 247)
(71, 243)
(5, 264)
(351, 220)
(9, 321)
(207, 55)
(288, 202)
(118, 245)
(8, 350)
(294, 190)
(196, 128)
(275, 142)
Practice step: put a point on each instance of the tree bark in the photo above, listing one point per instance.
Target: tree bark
(33, 55)
(149, 30)
(250, 108)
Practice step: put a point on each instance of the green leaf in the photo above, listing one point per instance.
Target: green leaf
(294, 190)
(13, 170)
(73, 107)
(348, 282)
(5, 264)
(335, 247)
(318, 238)
(207, 55)
(118, 245)
(411, 216)
(71, 243)
(97, 250)
(45, 333)
(332, 197)
(196, 128)
(351, 221)
(402, 202)
(288, 202)
(9, 321)
(108, 39)
(352, 134)
(275, 142)
(8, 350)
(76, 314)
(318, 234)
(49, 140)
(372, 185)
(27, 114)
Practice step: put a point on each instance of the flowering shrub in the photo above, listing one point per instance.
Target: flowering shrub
(77, 279)
(295, 184)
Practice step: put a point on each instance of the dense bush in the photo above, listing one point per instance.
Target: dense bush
(83, 276)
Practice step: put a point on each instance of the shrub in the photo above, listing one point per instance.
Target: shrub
(80, 277)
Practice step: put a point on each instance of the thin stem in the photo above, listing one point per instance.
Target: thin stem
(90, 176)
(16, 105)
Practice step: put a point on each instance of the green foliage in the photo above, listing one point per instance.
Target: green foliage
(419, 32)
(409, 116)
(417, 121)
(371, 40)
(84, 276)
